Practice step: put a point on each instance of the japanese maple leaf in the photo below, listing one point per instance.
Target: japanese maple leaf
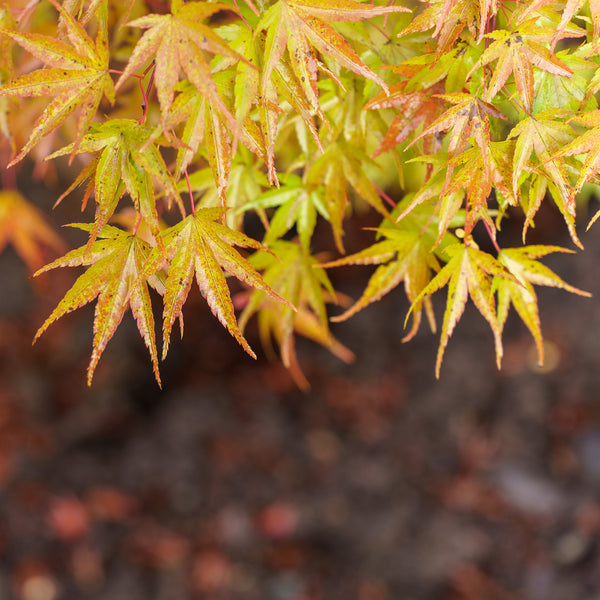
(415, 108)
(301, 25)
(469, 117)
(7, 112)
(467, 273)
(340, 168)
(548, 136)
(26, 229)
(114, 263)
(200, 245)
(205, 129)
(405, 256)
(126, 163)
(572, 7)
(297, 206)
(77, 75)
(177, 42)
(479, 172)
(295, 274)
(527, 271)
(588, 144)
(517, 52)
(449, 18)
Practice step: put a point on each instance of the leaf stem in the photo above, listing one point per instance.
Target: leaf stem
(146, 92)
(187, 179)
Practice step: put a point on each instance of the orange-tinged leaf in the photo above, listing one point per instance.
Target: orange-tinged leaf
(176, 42)
(517, 52)
(127, 162)
(26, 229)
(113, 276)
(467, 274)
(293, 273)
(301, 26)
(199, 245)
(468, 117)
(589, 144)
(527, 271)
(78, 77)
(404, 257)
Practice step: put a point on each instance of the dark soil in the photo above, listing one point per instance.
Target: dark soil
(380, 484)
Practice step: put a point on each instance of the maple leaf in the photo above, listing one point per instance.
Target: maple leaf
(572, 7)
(341, 167)
(467, 273)
(177, 42)
(6, 74)
(588, 144)
(522, 264)
(518, 52)
(126, 163)
(404, 257)
(200, 245)
(449, 18)
(115, 260)
(479, 172)
(77, 75)
(295, 274)
(26, 228)
(415, 108)
(298, 205)
(468, 117)
(544, 133)
(300, 25)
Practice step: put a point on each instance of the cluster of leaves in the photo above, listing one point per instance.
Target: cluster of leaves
(298, 111)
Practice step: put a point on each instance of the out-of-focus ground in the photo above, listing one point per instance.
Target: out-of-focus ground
(381, 483)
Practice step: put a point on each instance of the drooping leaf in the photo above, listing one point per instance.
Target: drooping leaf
(126, 163)
(114, 263)
(527, 271)
(77, 75)
(404, 257)
(199, 245)
(517, 52)
(176, 42)
(25, 227)
(293, 273)
(467, 274)
(301, 25)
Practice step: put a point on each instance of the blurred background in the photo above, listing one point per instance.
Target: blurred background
(381, 483)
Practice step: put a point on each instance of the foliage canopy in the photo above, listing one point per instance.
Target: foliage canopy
(298, 111)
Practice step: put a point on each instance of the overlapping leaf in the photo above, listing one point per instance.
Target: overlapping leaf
(176, 42)
(548, 136)
(467, 274)
(296, 275)
(199, 245)
(126, 163)
(26, 229)
(517, 52)
(527, 271)
(301, 25)
(114, 263)
(77, 75)
(404, 257)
